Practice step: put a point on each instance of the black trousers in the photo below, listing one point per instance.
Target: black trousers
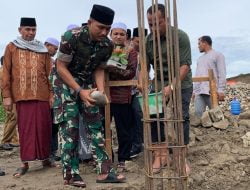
(137, 125)
(122, 115)
(54, 136)
(54, 144)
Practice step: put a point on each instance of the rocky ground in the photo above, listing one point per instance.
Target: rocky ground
(219, 156)
(219, 149)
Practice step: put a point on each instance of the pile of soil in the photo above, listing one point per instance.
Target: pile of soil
(218, 159)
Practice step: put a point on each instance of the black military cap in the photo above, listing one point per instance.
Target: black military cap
(102, 14)
(128, 33)
(136, 32)
(27, 21)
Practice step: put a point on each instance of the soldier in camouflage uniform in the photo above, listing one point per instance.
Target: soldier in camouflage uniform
(83, 52)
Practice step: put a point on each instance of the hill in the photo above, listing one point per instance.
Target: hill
(245, 78)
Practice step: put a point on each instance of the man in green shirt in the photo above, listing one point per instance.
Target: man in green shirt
(185, 75)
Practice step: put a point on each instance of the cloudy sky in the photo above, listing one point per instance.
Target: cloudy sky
(224, 20)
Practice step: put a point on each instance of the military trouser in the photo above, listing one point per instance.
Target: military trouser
(69, 132)
(66, 109)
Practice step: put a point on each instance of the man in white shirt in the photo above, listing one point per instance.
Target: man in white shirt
(211, 59)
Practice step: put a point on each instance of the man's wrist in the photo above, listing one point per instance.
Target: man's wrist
(78, 90)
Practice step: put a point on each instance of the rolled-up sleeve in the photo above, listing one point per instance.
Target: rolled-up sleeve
(65, 52)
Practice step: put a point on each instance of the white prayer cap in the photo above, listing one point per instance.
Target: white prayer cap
(119, 25)
(72, 26)
(52, 41)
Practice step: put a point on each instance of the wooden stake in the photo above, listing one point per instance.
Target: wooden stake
(108, 140)
(213, 88)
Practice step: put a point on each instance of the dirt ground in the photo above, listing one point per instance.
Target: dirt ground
(51, 178)
(218, 161)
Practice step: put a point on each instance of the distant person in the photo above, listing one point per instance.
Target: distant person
(82, 56)
(128, 34)
(73, 26)
(52, 45)
(214, 60)
(10, 138)
(26, 69)
(128, 42)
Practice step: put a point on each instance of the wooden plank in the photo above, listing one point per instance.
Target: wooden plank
(200, 79)
(123, 83)
(213, 88)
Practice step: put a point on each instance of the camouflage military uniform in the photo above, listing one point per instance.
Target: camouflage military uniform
(84, 57)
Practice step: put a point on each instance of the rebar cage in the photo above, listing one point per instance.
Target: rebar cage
(170, 146)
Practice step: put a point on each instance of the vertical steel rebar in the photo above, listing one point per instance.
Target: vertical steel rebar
(173, 126)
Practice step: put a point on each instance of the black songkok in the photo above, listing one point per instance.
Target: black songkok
(136, 32)
(102, 14)
(128, 33)
(28, 21)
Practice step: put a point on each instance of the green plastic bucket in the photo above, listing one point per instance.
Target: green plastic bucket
(152, 102)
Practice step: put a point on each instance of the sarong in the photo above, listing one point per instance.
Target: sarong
(34, 127)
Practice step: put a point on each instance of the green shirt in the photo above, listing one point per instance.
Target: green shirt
(185, 57)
